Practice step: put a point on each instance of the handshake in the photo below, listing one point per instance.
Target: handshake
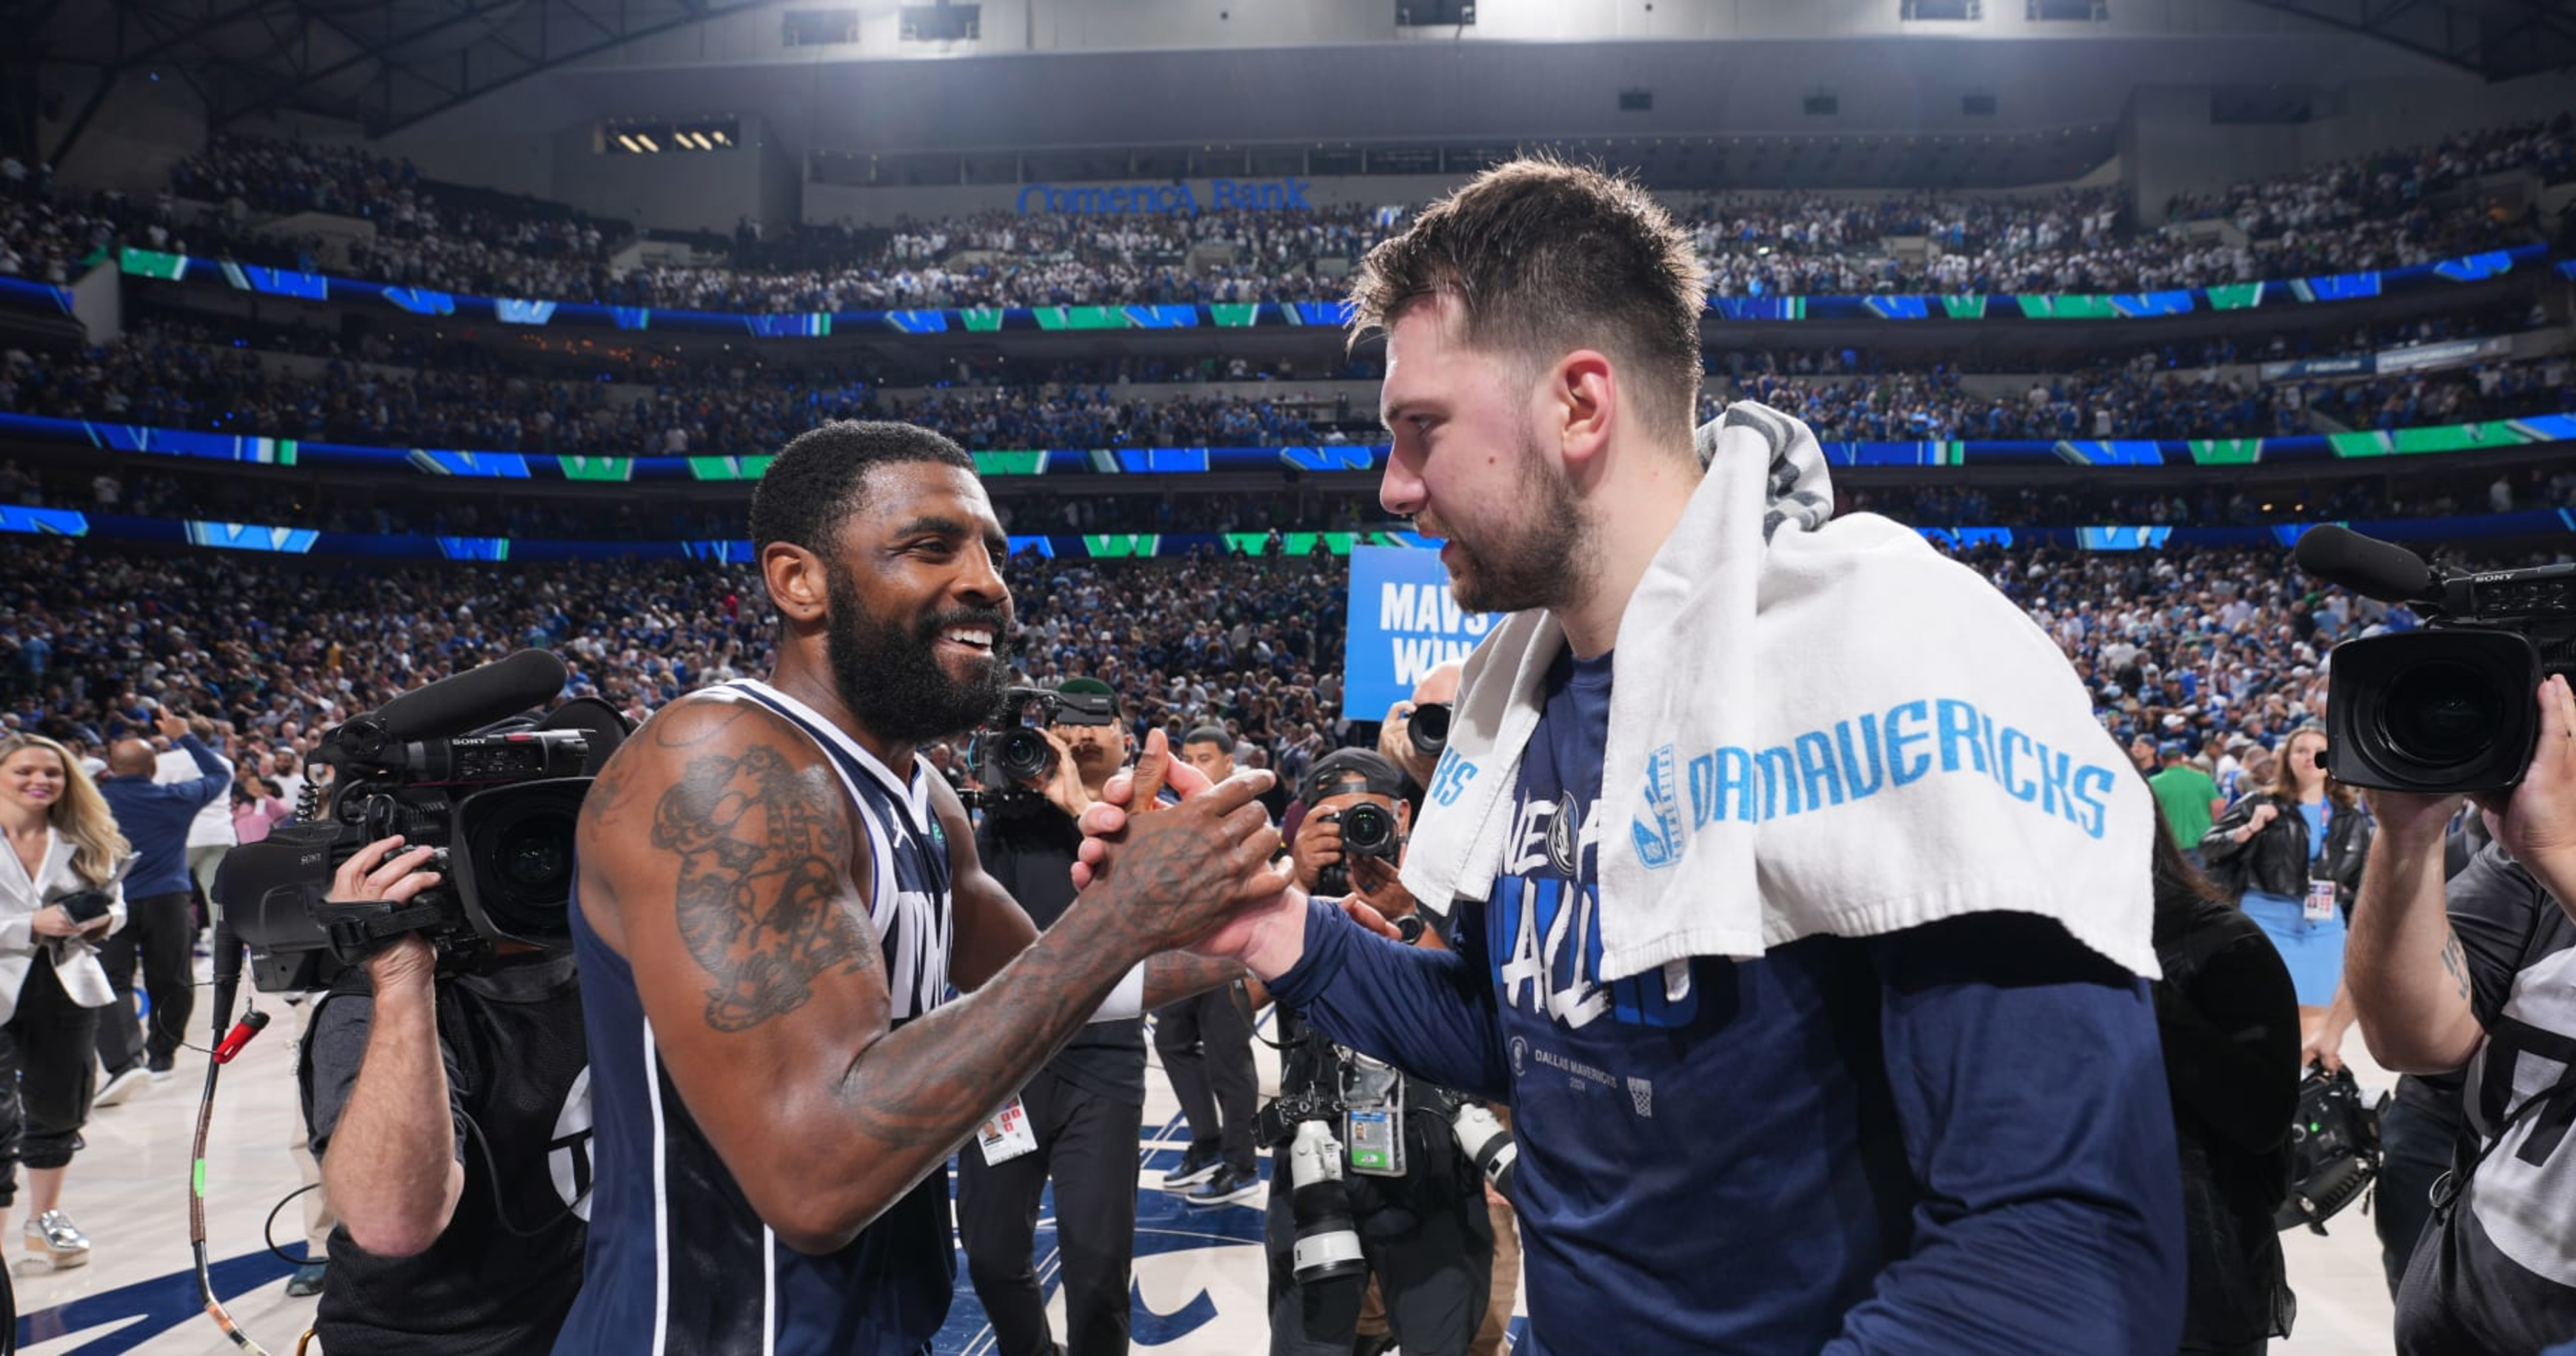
(1204, 875)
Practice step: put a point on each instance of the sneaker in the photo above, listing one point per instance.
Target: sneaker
(53, 1237)
(307, 1280)
(1227, 1187)
(121, 1086)
(162, 1069)
(1192, 1171)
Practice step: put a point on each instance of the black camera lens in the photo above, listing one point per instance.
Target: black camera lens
(1368, 831)
(2442, 713)
(1429, 728)
(536, 853)
(1025, 756)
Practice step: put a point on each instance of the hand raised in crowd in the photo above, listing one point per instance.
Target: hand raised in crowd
(373, 873)
(171, 725)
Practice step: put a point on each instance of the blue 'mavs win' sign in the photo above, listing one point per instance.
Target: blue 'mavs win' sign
(1404, 623)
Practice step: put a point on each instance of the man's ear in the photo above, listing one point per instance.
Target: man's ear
(1403, 815)
(796, 582)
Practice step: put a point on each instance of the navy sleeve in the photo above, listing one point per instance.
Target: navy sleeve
(1427, 1012)
(2030, 1094)
(206, 789)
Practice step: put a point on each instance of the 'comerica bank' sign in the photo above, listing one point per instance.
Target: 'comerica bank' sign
(1268, 195)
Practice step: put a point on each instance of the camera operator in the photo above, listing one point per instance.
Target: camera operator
(2476, 975)
(1085, 1107)
(445, 1248)
(1426, 1235)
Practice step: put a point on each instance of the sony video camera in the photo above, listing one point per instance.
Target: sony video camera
(1012, 749)
(2449, 708)
(454, 766)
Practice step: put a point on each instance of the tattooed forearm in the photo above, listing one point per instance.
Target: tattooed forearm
(1171, 976)
(763, 852)
(930, 1084)
(2456, 961)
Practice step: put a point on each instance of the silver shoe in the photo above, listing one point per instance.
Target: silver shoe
(53, 1236)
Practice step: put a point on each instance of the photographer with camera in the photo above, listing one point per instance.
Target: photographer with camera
(444, 1246)
(1416, 1200)
(65, 896)
(1416, 751)
(2292, 854)
(159, 817)
(1082, 1111)
(2477, 974)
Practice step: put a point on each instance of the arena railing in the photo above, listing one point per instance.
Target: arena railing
(305, 541)
(2488, 435)
(424, 301)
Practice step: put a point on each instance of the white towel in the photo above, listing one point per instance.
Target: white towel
(1816, 727)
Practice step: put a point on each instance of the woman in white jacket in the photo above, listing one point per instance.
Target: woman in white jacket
(65, 861)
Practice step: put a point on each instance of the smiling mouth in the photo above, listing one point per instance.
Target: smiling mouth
(973, 639)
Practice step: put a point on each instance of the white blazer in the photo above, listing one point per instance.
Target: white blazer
(75, 958)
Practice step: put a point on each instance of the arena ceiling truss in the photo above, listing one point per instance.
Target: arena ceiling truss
(2491, 39)
(382, 64)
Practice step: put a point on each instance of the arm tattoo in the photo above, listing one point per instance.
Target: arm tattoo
(2457, 962)
(763, 852)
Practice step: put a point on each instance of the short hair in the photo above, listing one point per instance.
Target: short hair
(1209, 734)
(1542, 258)
(820, 478)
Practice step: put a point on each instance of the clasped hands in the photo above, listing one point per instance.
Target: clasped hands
(1126, 802)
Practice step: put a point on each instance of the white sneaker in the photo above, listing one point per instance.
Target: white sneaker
(122, 1086)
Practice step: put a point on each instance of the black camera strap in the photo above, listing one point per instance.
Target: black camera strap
(2452, 1185)
(359, 928)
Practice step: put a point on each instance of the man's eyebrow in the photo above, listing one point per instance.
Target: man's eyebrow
(938, 524)
(1396, 412)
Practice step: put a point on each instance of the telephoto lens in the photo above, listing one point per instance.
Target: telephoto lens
(1328, 1245)
(1429, 728)
(1487, 1144)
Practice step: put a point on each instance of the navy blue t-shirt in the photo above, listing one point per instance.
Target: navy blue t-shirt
(1954, 1139)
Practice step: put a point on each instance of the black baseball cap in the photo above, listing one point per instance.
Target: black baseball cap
(1333, 774)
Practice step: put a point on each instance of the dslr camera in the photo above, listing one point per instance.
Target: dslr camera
(448, 766)
(2448, 708)
(1011, 750)
(1368, 830)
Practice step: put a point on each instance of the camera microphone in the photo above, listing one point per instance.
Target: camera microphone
(474, 698)
(2366, 565)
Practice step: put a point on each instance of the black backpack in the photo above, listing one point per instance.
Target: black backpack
(2334, 1150)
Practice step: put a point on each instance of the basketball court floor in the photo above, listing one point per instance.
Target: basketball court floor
(1198, 1283)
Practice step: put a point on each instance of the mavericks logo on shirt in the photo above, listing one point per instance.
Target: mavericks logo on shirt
(1545, 934)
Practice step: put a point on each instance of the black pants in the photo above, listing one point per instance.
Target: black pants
(2415, 1150)
(1087, 1143)
(46, 1077)
(1206, 1048)
(161, 929)
(1432, 1254)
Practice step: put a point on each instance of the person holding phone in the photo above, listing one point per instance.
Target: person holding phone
(61, 891)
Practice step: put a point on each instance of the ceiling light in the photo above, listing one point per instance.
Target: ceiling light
(648, 142)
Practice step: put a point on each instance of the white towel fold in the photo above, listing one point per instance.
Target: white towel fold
(1817, 727)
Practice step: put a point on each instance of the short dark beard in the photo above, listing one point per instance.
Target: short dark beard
(1548, 563)
(889, 674)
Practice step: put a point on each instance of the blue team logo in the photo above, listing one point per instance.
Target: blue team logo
(1449, 780)
(1659, 844)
